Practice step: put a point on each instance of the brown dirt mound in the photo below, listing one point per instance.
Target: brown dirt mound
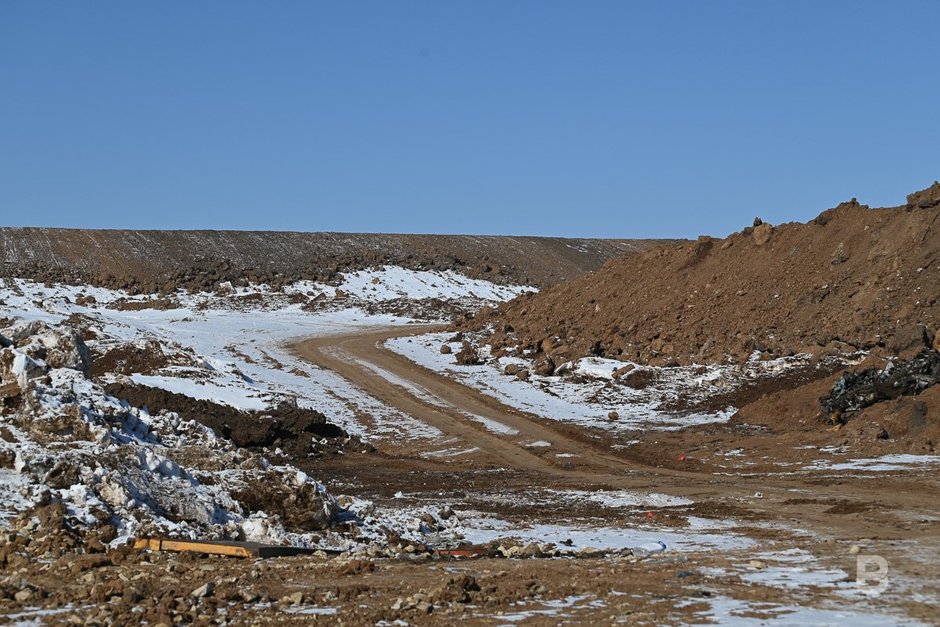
(162, 261)
(146, 358)
(289, 427)
(853, 278)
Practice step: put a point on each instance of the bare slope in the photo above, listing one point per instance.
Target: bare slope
(149, 260)
(853, 278)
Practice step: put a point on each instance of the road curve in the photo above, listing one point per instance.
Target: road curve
(456, 410)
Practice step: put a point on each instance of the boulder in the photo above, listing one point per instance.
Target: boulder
(762, 233)
(468, 355)
(840, 255)
(909, 340)
(544, 367)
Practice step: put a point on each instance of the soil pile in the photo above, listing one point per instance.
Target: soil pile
(155, 261)
(854, 278)
(285, 426)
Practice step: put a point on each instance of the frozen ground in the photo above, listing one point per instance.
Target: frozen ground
(235, 351)
(217, 347)
(588, 393)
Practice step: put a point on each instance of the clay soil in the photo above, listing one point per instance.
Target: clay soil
(854, 278)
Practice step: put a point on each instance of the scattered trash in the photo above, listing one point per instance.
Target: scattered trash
(646, 549)
(855, 391)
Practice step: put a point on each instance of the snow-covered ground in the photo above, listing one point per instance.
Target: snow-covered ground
(227, 347)
(587, 401)
(234, 352)
(885, 463)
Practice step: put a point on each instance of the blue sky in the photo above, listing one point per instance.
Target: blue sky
(607, 119)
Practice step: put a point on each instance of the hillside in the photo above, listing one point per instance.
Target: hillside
(149, 261)
(853, 278)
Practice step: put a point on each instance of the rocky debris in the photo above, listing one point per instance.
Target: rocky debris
(456, 589)
(762, 233)
(910, 340)
(205, 590)
(145, 357)
(31, 348)
(623, 371)
(140, 472)
(925, 199)
(840, 255)
(445, 349)
(841, 283)
(544, 367)
(855, 391)
(423, 309)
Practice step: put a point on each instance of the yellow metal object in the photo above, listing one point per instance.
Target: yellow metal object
(193, 546)
(223, 547)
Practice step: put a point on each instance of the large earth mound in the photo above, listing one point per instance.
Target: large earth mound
(151, 261)
(854, 278)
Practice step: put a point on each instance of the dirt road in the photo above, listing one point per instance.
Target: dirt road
(883, 508)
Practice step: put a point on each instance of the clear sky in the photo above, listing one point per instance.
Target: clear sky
(609, 119)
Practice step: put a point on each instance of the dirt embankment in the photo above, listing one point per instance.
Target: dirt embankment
(853, 278)
(153, 261)
(287, 427)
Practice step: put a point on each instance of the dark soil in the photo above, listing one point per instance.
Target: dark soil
(288, 427)
(129, 359)
(855, 391)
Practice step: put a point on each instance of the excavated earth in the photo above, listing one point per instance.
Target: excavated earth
(153, 261)
(854, 278)
(855, 281)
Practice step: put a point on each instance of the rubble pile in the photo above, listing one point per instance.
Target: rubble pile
(66, 441)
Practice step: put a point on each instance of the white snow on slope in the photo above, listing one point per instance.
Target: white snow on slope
(241, 350)
(885, 463)
(237, 397)
(391, 282)
(220, 348)
(585, 403)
